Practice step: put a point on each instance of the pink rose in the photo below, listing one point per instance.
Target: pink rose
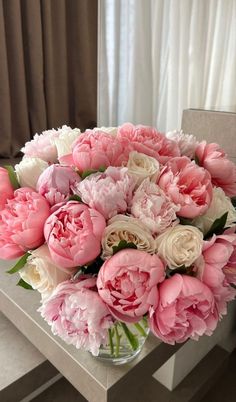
(22, 222)
(127, 282)
(186, 309)
(152, 207)
(56, 183)
(6, 190)
(147, 140)
(222, 170)
(109, 192)
(95, 148)
(187, 185)
(73, 233)
(78, 315)
(216, 258)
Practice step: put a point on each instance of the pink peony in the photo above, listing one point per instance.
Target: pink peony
(186, 309)
(187, 185)
(152, 207)
(95, 148)
(22, 222)
(222, 170)
(78, 315)
(73, 233)
(127, 282)
(6, 190)
(56, 183)
(216, 258)
(42, 146)
(148, 141)
(108, 192)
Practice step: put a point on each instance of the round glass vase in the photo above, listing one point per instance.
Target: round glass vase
(125, 342)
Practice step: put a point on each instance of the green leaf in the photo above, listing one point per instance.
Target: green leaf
(217, 226)
(184, 221)
(233, 200)
(88, 172)
(122, 245)
(102, 169)
(196, 160)
(75, 197)
(24, 284)
(12, 176)
(20, 264)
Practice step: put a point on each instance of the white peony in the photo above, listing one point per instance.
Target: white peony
(41, 273)
(122, 227)
(29, 170)
(180, 245)
(187, 142)
(152, 207)
(141, 166)
(220, 204)
(65, 139)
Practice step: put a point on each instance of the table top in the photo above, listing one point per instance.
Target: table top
(95, 380)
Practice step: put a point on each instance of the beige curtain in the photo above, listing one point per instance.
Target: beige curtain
(48, 68)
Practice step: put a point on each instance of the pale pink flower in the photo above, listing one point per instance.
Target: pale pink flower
(187, 143)
(21, 223)
(153, 207)
(187, 185)
(78, 315)
(109, 192)
(148, 141)
(186, 309)
(222, 170)
(127, 282)
(56, 183)
(73, 234)
(6, 189)
(95, 149)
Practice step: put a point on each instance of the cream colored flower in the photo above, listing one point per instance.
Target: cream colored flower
(29, 170)
(180, 245)
(64, 140)
(220, 204)
(108, 130)
(41, 273)
(141, 167)
(122, 227)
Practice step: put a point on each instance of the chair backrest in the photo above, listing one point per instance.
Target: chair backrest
(213, 126)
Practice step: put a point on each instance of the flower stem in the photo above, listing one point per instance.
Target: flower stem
(117, 351)
(111, 341)
(130, 336)
(140, 329)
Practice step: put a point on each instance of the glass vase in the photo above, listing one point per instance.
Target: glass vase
(125, 342)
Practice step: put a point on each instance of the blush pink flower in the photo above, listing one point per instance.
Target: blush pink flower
(42, 146)
(21, 223)
(186, 309)
(109, 192)
(148, 141)
(6, 190)
(78, 315)
(95, 148)
(152, 207)
(57, 182)
(187, 185)
(73, 234)
(222, 170)
(127, 282)
(216, 257)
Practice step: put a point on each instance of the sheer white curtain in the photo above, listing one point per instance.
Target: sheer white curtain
(158, 57)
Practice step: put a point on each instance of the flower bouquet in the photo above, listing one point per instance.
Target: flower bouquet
(122, 230)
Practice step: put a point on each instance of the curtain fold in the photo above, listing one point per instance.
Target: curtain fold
(158, 57)
(48, 68)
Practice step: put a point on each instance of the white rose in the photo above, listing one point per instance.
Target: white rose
(122, 227)
(108, 130)
(141, 166)
(220, 204)
(180, 245)
(65, 139)
(187, 142)
(29, 170)
(41, 273)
